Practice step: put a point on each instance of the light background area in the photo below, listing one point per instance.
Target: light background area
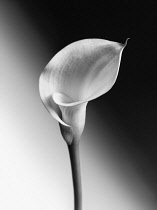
(34, 163)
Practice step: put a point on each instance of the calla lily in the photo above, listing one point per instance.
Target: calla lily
(79, 73)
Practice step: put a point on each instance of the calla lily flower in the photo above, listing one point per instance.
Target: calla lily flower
(79, 73)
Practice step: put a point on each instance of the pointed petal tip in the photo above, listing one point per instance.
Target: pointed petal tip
(125, 44)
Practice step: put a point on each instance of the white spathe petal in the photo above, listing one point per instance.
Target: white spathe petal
(80, 72)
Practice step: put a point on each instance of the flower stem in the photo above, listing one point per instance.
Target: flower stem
(76, 175)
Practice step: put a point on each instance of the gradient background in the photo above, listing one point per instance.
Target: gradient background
(118, 148)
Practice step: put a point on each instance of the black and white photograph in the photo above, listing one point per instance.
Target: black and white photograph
(78, 105)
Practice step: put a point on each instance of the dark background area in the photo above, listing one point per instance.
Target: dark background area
(133, 97)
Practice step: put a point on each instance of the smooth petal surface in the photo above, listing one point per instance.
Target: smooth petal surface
(83, 67)
(80, 72)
